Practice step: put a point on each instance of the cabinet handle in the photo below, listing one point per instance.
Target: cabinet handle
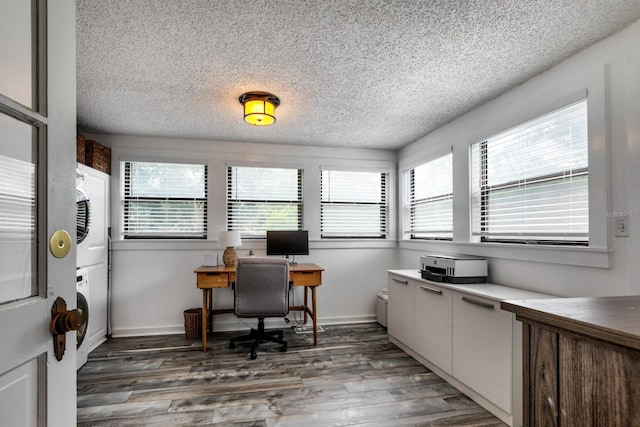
(433, 291)
(404, 282)
(478, 303)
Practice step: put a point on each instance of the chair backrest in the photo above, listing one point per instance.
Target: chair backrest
(262, 287)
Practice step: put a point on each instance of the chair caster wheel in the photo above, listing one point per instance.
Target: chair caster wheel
(253, 356)
(284, 348)
(232, 346)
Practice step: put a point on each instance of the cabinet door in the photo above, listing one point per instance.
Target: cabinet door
(482, 347)
(433, 324)
(400, 309)
(598, 383)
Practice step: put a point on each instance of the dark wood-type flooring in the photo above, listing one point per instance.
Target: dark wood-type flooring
(353, 377)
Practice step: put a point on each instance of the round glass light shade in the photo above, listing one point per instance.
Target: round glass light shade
(259, 112)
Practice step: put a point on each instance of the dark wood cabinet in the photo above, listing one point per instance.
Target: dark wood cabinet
(581, 359)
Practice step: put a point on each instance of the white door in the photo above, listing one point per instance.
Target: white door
(37, 197)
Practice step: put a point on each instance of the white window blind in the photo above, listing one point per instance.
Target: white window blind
(261, 199)
(530, 184)
(428, 204)
(17, 199)
(353, 204)
(164, 200)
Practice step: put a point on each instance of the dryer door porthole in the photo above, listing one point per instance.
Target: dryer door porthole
(83, 216)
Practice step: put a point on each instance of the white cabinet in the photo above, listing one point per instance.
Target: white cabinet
(460, 332)
(482, 347)
(433, 324)
(400, 309)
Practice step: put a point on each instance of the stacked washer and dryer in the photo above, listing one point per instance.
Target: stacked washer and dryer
(92, 221)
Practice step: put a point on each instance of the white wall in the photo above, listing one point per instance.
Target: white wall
(609, 71)
(153, 281)
(151, 288)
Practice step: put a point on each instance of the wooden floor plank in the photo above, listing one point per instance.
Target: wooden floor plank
(354, 377)
(359, 414)
(210, 402)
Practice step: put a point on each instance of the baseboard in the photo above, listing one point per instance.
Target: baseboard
(233, 324)
(95, 344)
(147, 331)
(347, 320)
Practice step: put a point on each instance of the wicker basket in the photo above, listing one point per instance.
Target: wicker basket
(193, 323)
(80, 149)
(98, 156)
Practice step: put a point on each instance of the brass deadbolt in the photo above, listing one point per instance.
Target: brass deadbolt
(60, 244)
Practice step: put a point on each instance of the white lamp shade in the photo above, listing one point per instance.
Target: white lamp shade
(229, 239)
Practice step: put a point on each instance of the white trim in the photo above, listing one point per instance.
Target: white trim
(228, 323)
(600, 166)
(161, 159)
(264, 164)
(163, 245)
(423, 157)
(353, 244)
(341, 168)
(247, 244)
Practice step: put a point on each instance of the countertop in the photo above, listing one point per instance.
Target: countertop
(485, 290)
(612, 319)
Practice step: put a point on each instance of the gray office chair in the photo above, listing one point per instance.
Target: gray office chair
(261, 290)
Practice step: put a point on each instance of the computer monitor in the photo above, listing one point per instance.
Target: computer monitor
(288, 242)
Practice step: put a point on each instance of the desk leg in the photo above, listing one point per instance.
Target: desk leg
(210, 311)
(314, 315)
(306, 304)
(205, 317)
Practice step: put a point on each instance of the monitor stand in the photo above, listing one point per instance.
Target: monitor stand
(292, 261)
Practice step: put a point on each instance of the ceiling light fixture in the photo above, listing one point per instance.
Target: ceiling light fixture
(259, 108)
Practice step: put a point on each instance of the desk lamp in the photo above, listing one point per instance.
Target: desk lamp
(228, 240)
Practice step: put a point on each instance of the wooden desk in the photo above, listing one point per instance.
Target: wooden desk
(209, 278)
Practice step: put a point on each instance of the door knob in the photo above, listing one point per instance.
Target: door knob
(63, 321)
(69, 320)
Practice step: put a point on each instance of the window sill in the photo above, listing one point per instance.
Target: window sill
(163, 244)
(247, 244)
(352, 244)
(566, 255)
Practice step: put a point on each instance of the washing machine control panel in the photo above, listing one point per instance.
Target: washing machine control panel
(81, 279)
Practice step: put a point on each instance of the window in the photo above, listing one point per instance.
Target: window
(353, 204)
(428, 205)
(164, 200)
(530, 183)
(261, 199)
(17, 199)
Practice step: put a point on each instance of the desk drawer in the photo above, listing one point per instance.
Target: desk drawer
(304, 278)
(213, 280)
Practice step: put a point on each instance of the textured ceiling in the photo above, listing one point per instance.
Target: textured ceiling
(349, 73)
